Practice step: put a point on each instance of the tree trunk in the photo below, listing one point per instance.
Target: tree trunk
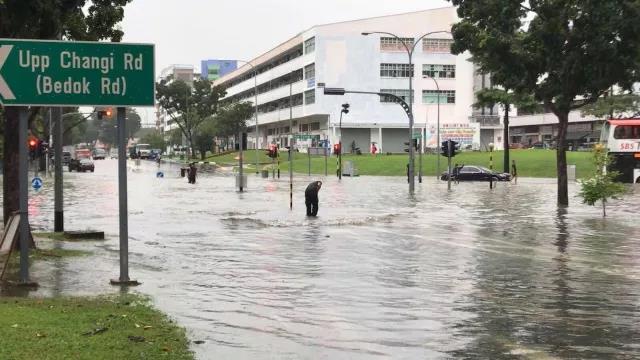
(505, 138)
(604, 208)
(11, 182)
(561, 159)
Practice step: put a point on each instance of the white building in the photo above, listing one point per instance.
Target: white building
(338, 55)
(185, 73)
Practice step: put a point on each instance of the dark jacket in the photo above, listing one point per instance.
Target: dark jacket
(312, 190)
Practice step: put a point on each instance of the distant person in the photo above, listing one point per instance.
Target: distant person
(374, 149)
(311, 198)
(192, 173)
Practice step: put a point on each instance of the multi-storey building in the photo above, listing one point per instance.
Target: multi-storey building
(339, 55)
(173, 72)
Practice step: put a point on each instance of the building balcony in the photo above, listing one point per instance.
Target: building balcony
(486, 121)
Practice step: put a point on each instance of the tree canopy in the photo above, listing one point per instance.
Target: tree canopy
(188, 106)
(566, 53)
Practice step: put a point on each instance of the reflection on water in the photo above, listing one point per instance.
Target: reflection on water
(475, 273)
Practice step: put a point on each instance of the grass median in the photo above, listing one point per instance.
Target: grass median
(530, 162)
(110, 327)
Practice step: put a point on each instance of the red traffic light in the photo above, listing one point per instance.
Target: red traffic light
(32, 143)
(108, 112)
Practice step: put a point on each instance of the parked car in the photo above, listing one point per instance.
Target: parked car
(83, 165)
(516, 146)
(539, 145)
(475, 173)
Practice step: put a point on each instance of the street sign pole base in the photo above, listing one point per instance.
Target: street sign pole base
(125, 282)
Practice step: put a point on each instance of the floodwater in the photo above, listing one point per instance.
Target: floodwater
(471, 273)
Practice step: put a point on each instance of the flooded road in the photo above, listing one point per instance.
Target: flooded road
(474, 273)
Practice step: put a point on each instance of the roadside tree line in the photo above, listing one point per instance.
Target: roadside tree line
(200, 116)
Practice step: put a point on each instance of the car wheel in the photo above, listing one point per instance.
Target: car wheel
(92, 170)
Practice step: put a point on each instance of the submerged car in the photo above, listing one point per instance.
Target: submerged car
(475, 173)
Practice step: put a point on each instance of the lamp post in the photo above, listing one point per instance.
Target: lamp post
(437, 125)
(255, 103)
(410, 48)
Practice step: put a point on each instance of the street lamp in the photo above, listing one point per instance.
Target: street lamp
(438, 125)
(255, 90)
(410, 49)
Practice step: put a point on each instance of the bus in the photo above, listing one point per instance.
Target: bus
(621, 138)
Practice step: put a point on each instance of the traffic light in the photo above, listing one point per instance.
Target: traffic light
(33, 147)
(444, 150)
(345, 108)
(108, 112)
(336, 149)
(406, 144)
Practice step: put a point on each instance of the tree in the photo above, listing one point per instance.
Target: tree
(155, 140)
(613, 105)
(231, 120)
(489, 97)
(36, 19)
(566, 53)
(204, 137)
(188, 106)
(601, 186)
(133, 122)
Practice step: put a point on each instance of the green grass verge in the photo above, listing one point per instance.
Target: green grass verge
(61, 237)
(116, 327)
(530, 163)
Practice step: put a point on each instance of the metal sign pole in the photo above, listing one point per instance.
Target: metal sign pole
(58, 221)
(23, 178)
(122, 200)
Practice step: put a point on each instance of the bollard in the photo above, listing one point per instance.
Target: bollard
(514, 172)
(183, 172)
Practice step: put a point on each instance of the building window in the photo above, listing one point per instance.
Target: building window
(310, 45)
(439, 71)
(393, 44)
(437, 45)
(396, 70)
(431, 96)
(314, 126)
(402, 93)
(310, 71)
(270, 132)
(310, 97)
(303, 128)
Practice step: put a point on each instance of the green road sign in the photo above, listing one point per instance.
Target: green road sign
(417, 135)
(74, 73)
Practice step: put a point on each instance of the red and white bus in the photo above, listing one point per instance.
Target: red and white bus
(621, 137)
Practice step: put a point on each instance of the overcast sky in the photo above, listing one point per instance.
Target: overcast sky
(188, 31)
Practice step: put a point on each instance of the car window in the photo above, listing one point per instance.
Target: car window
(469, 169)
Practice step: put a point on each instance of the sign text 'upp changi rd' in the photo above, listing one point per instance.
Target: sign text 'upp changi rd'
(69, 73)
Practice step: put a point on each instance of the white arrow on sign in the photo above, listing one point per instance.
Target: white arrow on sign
(5, 91)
